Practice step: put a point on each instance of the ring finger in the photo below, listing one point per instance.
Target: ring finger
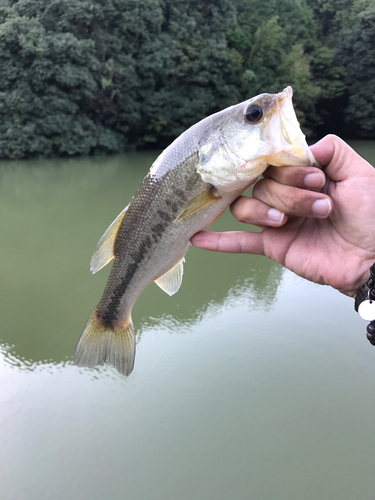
(292, 200)
(253, 211)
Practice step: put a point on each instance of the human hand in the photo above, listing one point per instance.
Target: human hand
(319, 224)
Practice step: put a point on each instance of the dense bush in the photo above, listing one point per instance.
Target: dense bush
(102, 76)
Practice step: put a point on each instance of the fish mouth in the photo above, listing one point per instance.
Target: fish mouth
(291, 147)
(283, 108)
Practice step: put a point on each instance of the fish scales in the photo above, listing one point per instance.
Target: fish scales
(148, 230)
(189, 185)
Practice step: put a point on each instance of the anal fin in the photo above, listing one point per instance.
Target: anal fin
(170, 282)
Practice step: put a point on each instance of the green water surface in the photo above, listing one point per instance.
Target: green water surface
(249, 383)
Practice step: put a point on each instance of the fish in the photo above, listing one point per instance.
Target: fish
(187, 188)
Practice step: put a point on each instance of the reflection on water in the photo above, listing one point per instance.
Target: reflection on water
(248, 383)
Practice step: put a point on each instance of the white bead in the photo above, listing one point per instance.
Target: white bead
(366, 310)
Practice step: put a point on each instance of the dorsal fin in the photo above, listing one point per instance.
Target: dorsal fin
(170, 282)
(104, 251)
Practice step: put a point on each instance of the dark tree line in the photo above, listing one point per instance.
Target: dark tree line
(103, 76)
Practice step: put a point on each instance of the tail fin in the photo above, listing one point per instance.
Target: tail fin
(98, 344)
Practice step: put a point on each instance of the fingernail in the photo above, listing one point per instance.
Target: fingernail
(314, 181)
(275, 215)
(321, 207)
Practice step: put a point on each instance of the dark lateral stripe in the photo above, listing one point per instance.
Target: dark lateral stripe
(165, 214)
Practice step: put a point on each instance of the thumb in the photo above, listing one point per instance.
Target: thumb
(339, 160)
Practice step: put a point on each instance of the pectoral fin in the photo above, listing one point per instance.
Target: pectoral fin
(201, 201)
(170, 282)
(104, 251)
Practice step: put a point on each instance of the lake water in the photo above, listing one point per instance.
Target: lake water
(249, 383)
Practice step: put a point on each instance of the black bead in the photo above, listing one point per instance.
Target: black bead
(371, 328)
(371, 332)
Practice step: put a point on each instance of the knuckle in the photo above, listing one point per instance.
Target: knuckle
(239, 247)
(259, 189)
(243, 209)
(337, 142)
(291, 203)
(239, 213)
(334, 138)
(218, 242)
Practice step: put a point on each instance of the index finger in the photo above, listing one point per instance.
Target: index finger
(230, 241)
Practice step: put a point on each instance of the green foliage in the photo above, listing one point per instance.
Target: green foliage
(101, 76)
(266, 52)
(45, 78)
(336, 15)
(358, 55)
(197, 74)
(295, 71)
(278, 44)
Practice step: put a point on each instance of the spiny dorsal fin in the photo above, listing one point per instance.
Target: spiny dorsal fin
(104, 251)
(170, 282)
(202, 200)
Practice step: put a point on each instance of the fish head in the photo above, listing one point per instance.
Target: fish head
(250, 136)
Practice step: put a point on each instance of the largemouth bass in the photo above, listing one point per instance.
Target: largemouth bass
(189, 185)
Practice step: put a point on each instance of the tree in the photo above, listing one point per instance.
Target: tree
(358, 56)
(45, 77)
(101, 76)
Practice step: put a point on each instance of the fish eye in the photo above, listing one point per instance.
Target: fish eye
(253, 113)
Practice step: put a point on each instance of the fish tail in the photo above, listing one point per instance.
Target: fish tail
(99, 343)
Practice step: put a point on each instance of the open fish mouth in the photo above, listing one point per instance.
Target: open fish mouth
(283, 108)
(287, 134)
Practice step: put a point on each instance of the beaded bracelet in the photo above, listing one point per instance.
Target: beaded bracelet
(365, 304)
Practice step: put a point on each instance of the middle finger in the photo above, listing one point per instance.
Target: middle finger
(292, 200)
(301, 177)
